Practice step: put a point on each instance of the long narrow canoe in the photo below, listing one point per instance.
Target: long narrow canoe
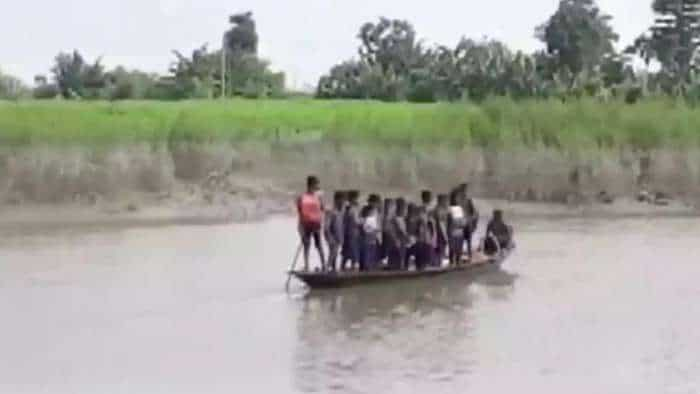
(333, 280)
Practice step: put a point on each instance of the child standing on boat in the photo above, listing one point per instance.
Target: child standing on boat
(428, 209)
(333, 229)
(375, 200)
(470, 213)
(396, 237)
(440, 215)
(387, 213)
(370, 234)
(424, 247)
(412, 221)
(351, 231)
(456, 222)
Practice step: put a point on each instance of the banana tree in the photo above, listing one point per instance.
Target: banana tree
(195, 75)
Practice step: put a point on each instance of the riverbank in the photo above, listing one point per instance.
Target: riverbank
(204, 174)
(241, 160)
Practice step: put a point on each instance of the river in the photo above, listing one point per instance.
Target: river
(583, 306)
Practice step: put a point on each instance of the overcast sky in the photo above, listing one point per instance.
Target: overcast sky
(301, 37)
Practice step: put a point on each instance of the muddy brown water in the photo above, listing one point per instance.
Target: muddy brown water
(583, 306)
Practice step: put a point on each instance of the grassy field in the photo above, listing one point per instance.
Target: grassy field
(497, 122)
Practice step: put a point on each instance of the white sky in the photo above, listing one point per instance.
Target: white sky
(304, 38)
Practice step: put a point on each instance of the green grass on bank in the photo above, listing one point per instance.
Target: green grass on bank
(497, 122)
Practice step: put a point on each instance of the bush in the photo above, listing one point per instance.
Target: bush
(46, 92)
(122, 91)
(421, 92)
(633, 95)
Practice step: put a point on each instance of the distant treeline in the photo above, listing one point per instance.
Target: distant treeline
(198, 75)
(394, 64)
(579, 59)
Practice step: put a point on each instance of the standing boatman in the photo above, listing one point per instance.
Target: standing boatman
(310, 211)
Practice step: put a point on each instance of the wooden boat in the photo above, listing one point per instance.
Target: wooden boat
(332, 280)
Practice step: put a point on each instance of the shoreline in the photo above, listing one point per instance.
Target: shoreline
(55, 218)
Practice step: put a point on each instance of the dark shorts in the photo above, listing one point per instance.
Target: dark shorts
(309, 232)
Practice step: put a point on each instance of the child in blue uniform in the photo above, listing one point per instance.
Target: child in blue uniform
(396, 236)
(351, 231)
(370, 234)
(333, 229)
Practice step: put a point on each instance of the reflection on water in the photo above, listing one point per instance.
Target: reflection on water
(384, 336)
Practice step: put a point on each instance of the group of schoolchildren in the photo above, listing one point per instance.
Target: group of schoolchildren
(392, 234)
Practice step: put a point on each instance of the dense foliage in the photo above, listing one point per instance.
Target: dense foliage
(673, 42)
(198, 75)
(579, 60)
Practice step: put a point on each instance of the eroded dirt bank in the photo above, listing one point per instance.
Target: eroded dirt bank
(220, 181)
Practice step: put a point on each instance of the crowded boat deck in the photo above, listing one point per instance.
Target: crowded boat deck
(393, 238)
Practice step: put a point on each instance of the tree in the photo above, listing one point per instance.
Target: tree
(616, 70)
(520, 77)
(442, 77)
(123, 84)
(194, 75)
(251, 77)
(242, 39)
(674, 38)
(43, 89)
(246, 74)
(390, 44)
(343, 81)
(481, 67)
(11, 87)
(75, 78)
(578, 35)
(394, 65)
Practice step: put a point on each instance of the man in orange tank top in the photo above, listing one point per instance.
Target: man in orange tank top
(310, 210)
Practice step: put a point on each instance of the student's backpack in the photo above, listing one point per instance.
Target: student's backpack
(310, 210)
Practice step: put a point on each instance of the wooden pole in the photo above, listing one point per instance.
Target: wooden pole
(294, 264)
